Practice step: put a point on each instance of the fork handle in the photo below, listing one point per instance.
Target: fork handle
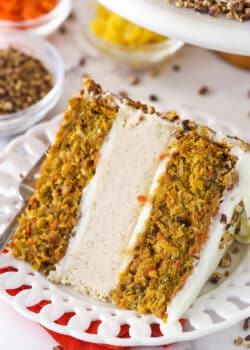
(9, 230)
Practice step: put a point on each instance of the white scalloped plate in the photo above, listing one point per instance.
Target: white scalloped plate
(216, 308)
(185, 24)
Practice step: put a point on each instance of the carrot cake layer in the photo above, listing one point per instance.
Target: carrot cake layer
(183, 205)
(44, 230)
(133, 206)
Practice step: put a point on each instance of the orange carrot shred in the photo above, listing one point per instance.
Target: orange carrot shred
(162, 156)
(141, 198)
(28, 229)
(192, 251)
(159, 236)
(97, 157)
(32, 199)
(178, 263)
(53, 225)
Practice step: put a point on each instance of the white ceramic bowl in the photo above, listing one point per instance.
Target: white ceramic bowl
(33, 45)
(43, 25)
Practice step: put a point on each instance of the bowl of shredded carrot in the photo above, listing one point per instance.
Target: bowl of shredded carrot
(40, 16)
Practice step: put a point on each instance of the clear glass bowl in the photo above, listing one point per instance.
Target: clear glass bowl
(43, 25)
(14, 123)
(139, 56)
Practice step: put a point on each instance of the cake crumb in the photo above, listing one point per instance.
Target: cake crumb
(239, 208)
(234, 249)
(151, 110)
(82, 61)
(123, 93)
(248, 93)
(141, 198)
(204, 90)
(215, 278)
(238, 341)
(223, 219)
(133, 79)
(62, 30)
(72, 16)
(226, 261)
(247, 338)
(153, 72)
(57, 347)
(153, 97)
(246, 324)
(247, 345)
(176, 67)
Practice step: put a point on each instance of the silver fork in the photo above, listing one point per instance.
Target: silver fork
(26, 189)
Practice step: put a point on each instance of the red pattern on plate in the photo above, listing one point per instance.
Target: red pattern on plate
(68, 342)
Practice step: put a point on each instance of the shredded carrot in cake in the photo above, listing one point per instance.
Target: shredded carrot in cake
(44, 230)
(163, 156)
(141, 198)
(183, 206)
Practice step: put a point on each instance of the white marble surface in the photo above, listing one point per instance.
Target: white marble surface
(228, 100)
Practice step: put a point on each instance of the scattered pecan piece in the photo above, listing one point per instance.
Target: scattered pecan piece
(226, 261)
(204, 90)
(176, 68)
(238, 341)
(63, 30)
(123, 93)
(215, 278)
(153, 97)
(82, 61)
(246, 324)
(234, 249)
(223, 219)
(153, 72)
(133, 79)
(72, 16)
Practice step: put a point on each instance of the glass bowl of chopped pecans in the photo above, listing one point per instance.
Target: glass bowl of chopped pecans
(42, 17)
(31, 80)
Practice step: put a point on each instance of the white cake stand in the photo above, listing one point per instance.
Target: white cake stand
(185, 24)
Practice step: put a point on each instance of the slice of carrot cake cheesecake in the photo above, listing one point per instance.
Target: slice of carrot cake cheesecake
(133, 206)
